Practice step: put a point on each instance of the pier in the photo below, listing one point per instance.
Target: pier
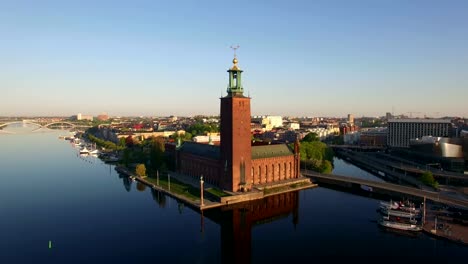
(438, 225)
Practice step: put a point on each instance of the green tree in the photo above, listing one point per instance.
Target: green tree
(157, 152)
(140, 170)
(126, 156)
(326, 167)
(104, 143)
(428, 179)
(317, 156)
(201, 128)
(187, 136)
(313, 152)
(328, 154)
(183, 137)
(338, 140)
(311, 137)
(122, 142)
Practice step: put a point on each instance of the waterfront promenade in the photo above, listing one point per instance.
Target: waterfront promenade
(210, 201)
(432, 195)
(446, 228)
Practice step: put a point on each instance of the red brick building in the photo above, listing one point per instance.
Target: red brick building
(236, 165)
(373, 137)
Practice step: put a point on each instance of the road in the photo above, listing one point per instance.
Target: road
(435, 196)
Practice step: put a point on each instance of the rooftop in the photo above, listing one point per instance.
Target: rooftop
(269, 151)
(214, 152)
(419, 120)
(203, 150)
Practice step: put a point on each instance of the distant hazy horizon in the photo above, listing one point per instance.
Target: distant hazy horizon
(300, 58)
(207, 115)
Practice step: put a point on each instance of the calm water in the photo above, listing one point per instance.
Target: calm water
(91, 214)
(343, 167)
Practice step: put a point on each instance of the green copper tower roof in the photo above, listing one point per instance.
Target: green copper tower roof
(235, 81)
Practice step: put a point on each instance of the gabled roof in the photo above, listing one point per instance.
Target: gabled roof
(268, 151)
(203, 150)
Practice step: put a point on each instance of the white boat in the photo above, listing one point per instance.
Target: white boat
(400, 216)
(399, 213)
(94, 152)
(405, 207)
(401, 226)
(84, 151)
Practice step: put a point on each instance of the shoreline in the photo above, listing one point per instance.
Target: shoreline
(451, 232)
(257, 194)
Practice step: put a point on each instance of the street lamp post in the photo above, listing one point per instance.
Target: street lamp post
(169, 181)
(201, 191)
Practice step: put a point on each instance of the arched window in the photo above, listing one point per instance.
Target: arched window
(259, 174)
(284, 173)
(266, 173)
(291, 174)
(253, 174)
(278, 172)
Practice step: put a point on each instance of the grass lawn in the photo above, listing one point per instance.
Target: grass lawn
(177, 187)
(216, 192)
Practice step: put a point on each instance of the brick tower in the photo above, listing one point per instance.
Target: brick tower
(236, 150)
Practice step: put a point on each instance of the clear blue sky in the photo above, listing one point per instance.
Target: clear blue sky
(304, 58)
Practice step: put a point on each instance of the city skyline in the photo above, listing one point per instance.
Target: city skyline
(299, 58)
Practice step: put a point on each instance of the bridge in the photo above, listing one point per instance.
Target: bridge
(417, 168)
(396, 169)
(40, 125)
(380, 169)
(376, 186)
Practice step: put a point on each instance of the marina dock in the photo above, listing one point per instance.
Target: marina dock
(453, 232)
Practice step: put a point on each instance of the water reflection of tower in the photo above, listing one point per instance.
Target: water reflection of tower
(237, 221)
(127, 182)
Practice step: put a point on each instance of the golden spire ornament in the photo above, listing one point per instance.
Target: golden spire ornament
(234, 61)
